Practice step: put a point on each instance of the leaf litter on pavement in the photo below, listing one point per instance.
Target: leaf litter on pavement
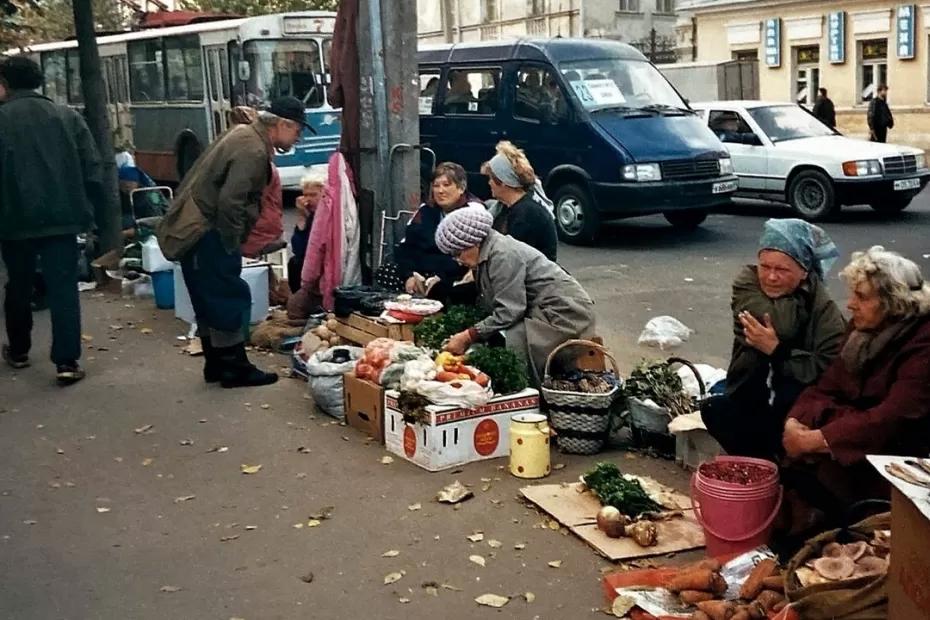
(492, 600)
(250, 469)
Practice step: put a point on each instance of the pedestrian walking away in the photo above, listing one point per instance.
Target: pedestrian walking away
(50, 180)
(824, 109)
(879, 116)
(216, 207)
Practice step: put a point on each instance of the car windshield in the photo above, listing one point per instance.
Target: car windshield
(788, 122)
(614, 83)
(279, 68)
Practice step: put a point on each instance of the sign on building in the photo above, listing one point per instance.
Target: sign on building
(906, 16)
(836, 31)
(773, 42)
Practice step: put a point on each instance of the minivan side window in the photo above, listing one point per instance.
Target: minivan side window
(429, 84)
(474, 92)
(538, 96)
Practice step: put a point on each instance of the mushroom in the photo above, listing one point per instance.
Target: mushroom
(832, 550)
(835, 569)
(870, 566)
(855, 550)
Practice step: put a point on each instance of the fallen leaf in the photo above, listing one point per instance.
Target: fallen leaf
(476, 537)
(229, 538)
(70, 485)
(146, 331)
(454, 493)
(529, 596)
(144, 429)
(345, 438)
(555, 564)
(55, 485)
(220, 449)
(103, 509)
(553, 524)
(303, 450)
(298, 526)
(147, 462)
(486, 488)
(60, 451)
(477, 559)
(558, 466)
(265, 406)
(170, 589)
(250, 469)
(414, 507)
(313, 523)
(495, 544)
(86, 338)
(251, 527)
(184, 498)
(492, 600)
(301, 475)
(403, 600)
(308, 578)
(387, 460)
(392, 578)
(485, 480)
(30, 522)
(187, 442)
(323, 513)
(393, 553)
(520, 546)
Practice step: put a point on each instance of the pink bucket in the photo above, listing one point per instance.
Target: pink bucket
(735, 517)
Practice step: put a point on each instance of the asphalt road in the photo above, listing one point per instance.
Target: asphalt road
(114, 503)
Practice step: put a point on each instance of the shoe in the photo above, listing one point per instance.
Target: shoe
(15, 361)
(237, 371)
(69, 373)
(212, 367)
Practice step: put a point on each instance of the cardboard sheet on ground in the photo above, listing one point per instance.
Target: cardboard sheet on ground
(578, 512)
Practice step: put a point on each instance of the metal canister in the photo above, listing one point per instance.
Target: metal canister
(529, 445)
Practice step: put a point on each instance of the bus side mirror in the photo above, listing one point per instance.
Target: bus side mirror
(245, 70)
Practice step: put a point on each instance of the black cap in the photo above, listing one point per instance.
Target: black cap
(290, 108)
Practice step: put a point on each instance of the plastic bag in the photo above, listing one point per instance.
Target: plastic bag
(468, 394)
(709, 375)
(139, 287)
(152, 258)
(416, 372)
(324, 377)
(665, 332)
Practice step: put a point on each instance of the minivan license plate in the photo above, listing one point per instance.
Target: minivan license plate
(906, 184)
(730, 186)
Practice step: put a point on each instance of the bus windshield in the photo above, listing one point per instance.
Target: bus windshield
(612, 83)
(280, 68)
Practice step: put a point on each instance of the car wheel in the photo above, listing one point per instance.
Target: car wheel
(576, 217)
(811, 194)
(688, 220)
(894, 204)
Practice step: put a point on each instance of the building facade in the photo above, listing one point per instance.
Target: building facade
(849, 47)
(630, 21)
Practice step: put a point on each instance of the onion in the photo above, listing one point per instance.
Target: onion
(611, 521)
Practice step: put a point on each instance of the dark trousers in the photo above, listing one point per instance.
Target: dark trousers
(59, 256)
(220, 297)
(879, 134)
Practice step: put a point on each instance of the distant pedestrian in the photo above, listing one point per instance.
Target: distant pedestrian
(880, 118)
(213, 213)
(824, 109)
(50, 181)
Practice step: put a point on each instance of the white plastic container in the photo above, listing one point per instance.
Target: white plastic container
(255, 275)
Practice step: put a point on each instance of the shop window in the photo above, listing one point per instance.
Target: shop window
(873, 67)
(429, 84)
(56, 81)
(184, 68)
(807, 74)
(538, 96)
(752, 55)
(665, 6)
(472, 92)
(628, 6)
(146, 71)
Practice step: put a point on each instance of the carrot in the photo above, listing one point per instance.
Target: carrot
(693, 579)
(741, 614)
(690, 597)
(699, 615)
(719, 586)
(768, 599)
(780, 606)
(718, 610)
(775, 583)
(753, 584)
(708, 563)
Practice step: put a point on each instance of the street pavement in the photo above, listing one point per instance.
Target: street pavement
(118, 499)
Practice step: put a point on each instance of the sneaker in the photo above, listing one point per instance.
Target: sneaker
(15, 361)
(69, 373)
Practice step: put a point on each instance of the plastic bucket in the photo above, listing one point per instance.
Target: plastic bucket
(163, 285)
(529, 445)
(736, 518)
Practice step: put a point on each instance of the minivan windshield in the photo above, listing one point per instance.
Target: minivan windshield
(788, 122)
(615, 83)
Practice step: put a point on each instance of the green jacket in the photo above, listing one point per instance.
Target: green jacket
(50, 173)
(810, 329)
(221, 192)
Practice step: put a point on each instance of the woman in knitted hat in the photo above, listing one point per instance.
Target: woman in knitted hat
(787, 330)
(532, 301)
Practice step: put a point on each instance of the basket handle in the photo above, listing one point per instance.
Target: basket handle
(693, 368)
(579, 342)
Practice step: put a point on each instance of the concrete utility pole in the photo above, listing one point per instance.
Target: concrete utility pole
(389, 120)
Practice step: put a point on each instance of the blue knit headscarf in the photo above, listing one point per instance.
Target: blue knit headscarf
(807, 244)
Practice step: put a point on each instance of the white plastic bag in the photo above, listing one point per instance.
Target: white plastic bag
(140, 287)
(709, 375)
(468, 396)
(324, 379)
(665, 332)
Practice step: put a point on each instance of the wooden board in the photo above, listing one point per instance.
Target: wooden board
(578, 512)
(361, 329)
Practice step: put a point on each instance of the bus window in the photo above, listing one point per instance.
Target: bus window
(75, 94)
(56, 82)
(184, 68)
(146, 72)
(472, 91)
(282, 68)
(429, 84)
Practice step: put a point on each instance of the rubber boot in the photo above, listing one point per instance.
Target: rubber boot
(237, 371)
(212, 367)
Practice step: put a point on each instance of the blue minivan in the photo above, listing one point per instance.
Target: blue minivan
(607, 134)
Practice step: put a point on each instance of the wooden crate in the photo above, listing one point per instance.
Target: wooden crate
(361, 330)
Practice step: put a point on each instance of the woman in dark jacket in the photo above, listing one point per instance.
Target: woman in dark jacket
(875, 397)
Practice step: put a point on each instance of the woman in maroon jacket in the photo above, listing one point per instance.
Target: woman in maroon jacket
(875, 397)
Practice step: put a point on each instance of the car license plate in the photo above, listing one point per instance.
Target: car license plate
(731, 186)
(906, 184)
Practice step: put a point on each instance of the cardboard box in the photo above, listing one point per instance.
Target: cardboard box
(455, 436)
(364, 405)
(360, 329)
(909, 572)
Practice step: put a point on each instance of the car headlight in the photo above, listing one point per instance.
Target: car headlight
(642, 173)
(862, 168)
(921, 161)
(726, 165)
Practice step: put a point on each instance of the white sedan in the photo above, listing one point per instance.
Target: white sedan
(781, 152)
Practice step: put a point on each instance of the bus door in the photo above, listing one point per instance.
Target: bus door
(217, 87)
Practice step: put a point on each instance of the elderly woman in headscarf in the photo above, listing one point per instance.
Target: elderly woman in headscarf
(787, 330)
(535, 303)
(525, 212)
(875, 396)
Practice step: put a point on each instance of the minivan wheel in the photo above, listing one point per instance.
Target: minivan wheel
(688, 220)
(576, 218)
(895, 204)
(811, 194)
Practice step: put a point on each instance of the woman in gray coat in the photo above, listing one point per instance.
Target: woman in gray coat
(533, 302)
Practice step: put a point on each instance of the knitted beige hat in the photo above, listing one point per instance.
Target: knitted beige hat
(462, 229)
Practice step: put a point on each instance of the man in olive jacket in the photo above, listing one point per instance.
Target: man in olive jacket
(212, 214)
(50, 178)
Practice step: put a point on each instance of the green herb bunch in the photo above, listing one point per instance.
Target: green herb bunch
(433, 331)
(608, 484)
(506, 370)
(656, 380)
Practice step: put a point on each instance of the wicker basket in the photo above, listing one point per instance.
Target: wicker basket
(581, 420)
(652, 422)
